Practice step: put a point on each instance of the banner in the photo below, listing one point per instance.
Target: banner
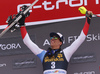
(83, 58)
(47, 11)
(24, 63)
(13, 46)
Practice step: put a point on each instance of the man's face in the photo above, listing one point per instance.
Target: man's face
(55, 42)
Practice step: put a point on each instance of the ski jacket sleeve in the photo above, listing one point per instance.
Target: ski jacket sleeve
(68, 51)
(31, 45)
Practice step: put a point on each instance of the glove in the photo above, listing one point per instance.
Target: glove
(21, 22)
(9, 20)
(89, 16)
(23, 8)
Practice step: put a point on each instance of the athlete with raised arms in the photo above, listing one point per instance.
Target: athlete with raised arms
(55, 60)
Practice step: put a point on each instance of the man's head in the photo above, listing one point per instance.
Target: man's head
(56, 40)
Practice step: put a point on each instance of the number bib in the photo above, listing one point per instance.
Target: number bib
(57, 61)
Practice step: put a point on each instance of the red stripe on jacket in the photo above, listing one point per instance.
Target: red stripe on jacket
(86, 27)
(23, 31)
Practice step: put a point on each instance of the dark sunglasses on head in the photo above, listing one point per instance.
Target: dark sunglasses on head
(54, 38)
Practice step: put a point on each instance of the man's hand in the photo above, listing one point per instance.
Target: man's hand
(22, 20)
(89, 14)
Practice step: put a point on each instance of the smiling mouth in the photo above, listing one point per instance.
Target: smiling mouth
(52, 41)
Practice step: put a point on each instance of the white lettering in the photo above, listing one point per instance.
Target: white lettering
(26, 62)
(13, 45)
(72, 38)
(89, 37)
(18, 46)
(97, 1)
(48, 5)
(1, 65)
(85, 2)
(59, 1)
(98, 36)
(93, 37)
(45, 3)
(46, 42)
(83, 57)
(90, 72)
(74, 5)
(10, 46)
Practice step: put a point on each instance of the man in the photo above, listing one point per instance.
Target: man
(55, 60)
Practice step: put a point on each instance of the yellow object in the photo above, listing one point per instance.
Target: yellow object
(82, 9)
